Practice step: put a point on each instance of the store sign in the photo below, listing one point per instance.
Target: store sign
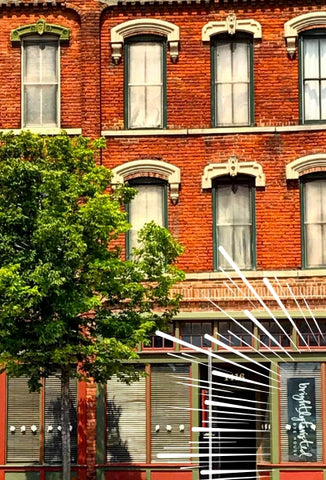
(302, 439)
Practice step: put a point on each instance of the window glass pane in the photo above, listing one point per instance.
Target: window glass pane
(232, 79)
(223, 63)
(49, 104)
(32, 70)
(301, 429)
(241, 103)
(146, 206)
(145, 84)
(49, 63)
(32, 105)
(322, 46)
(234, 223)
(240, 62)
(311, 58)
(311, 91)
(40, 76)
(315, 222)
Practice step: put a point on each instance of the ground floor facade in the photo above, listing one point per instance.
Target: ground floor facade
(224, 395)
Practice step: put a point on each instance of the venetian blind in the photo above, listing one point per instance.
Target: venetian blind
(169, 403)
(126, 421)
(52, 420)
(23, 410)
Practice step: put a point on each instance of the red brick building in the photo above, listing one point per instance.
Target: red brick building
(216, 112)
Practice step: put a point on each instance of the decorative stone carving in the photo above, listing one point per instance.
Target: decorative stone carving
(233, 168)
(231, 22)
(142, 26)
(296, 25)
(231, 25)
(40, 28)
(303, 165)
(143, 167)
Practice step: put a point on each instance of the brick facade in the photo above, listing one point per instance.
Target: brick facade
(92, 101)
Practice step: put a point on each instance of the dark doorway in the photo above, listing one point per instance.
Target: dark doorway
(243, 410)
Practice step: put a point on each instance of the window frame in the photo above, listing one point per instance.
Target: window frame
(304, 36)
(39, 40)
(304, 179)
(147, 181)
(252, 192)
(139, 39)
(237, 38)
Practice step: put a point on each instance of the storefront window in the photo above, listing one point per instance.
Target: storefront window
(301, 430)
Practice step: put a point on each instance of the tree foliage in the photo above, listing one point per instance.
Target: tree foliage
(67, 296)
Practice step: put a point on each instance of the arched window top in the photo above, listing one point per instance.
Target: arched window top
(142, 168)
(40, 28)
(303, 165)
(141, 26)
(231, 26)
(296, 25)
(233, 167)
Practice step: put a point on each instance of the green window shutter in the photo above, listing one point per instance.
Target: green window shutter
(52, 419)
(23, 410)
(169, 403)
(126, 421)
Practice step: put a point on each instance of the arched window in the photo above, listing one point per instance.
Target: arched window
(232, 69)
(234, 220)
(40, 47)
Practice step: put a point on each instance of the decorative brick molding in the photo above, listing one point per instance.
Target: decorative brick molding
(231, 26)
(140, 168)
(296, 25)
(306, 164)
(40, 28)
(233, 167)
(142, 26)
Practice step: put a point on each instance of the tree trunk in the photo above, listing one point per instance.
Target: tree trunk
(65, 432)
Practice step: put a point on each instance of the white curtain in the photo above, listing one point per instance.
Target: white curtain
(234, 223)
(315, 222)
(40, 83)
(145, 85)
(146, 206)
(314, 73)
(232, 83)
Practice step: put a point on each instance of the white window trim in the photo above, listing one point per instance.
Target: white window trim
(303, 165)
(143, 26)
(142, 167)
(41, 128)
(231, 26)
(233, 167)
(293, 27)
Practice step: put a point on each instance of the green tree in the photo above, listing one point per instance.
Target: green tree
(69, 302)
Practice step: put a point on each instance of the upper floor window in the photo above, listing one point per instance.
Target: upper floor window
(234, 220)
(232, 80)
(145, 82)
(40, 85)
(313, 76)
(149, 204)
(40, 82)
(314, 220)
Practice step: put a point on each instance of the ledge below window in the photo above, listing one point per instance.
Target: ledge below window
(320, 272)
(43, 131)
(212, 131)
